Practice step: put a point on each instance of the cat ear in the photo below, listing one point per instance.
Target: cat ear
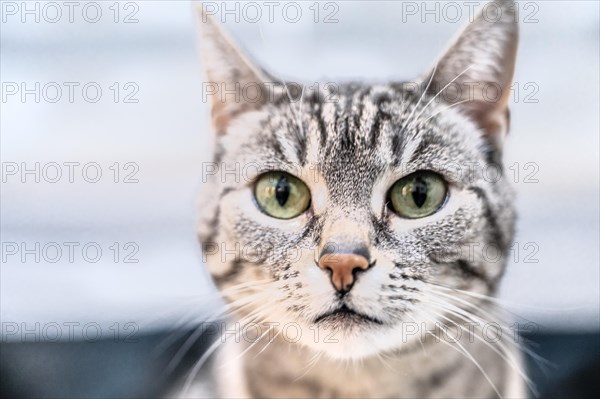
(477, 69)
(233, 83)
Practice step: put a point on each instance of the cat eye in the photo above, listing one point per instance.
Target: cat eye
(281, 195)
(418, 195)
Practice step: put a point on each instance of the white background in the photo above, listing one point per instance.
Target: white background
(167, 134)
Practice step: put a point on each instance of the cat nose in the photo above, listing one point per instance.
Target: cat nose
(344, 266)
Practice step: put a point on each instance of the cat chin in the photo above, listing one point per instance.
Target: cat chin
(355, 343)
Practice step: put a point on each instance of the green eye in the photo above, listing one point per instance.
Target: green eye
(281, 195)
(418, 195)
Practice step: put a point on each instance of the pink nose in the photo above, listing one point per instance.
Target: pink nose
(343, 268)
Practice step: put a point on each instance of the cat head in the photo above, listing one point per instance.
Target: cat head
(359, 208)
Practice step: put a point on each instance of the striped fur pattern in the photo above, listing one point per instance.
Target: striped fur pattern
(349, 144)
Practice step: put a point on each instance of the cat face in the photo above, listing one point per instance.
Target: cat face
(349, 211)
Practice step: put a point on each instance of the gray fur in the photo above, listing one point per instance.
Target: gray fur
(350, 146)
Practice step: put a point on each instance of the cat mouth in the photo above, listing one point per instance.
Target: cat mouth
(344, 315)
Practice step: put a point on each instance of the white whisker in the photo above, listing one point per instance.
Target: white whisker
(438, 93)
(408, 119)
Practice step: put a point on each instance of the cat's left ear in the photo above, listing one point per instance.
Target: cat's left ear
(234, 84)
(478, 68)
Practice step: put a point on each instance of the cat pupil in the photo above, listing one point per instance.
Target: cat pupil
(282, 191)
(419, 191)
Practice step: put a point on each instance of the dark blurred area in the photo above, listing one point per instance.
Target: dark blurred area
(108, 369)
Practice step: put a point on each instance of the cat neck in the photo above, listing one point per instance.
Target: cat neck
(284, 369)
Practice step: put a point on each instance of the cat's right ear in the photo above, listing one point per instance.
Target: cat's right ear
(232, 82)
(480, 64)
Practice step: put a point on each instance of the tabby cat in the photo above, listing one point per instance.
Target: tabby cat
(345, 226)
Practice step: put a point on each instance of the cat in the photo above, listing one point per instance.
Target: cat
(326, 218)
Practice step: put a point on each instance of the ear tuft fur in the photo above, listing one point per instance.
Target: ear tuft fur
(478, 68)
(233, 82)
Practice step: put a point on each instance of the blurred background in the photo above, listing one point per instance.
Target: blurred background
(104, 128)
